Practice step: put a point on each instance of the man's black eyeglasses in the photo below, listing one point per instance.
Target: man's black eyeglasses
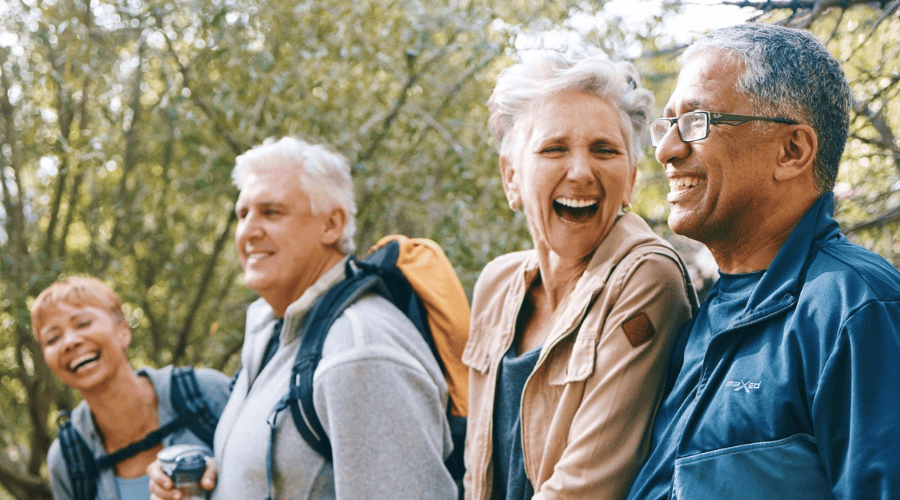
(694, 126)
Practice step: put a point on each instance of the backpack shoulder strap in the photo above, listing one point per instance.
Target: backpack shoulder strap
(319, 320)
(189, 403)
(193, 411)
(80, 463)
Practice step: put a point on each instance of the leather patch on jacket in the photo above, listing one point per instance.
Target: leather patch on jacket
(639, 329)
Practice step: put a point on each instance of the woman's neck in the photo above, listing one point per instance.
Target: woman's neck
(124, 411)
(559, 277)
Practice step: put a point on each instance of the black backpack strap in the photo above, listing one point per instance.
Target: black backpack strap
(80, 463)
(84, 468)
(189, 403)
(314, 330)
(455, 463)
(193, 411)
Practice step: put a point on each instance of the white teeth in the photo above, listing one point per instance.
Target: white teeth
(256, 255)
(573, 203)
(82, 360)
(682, 183)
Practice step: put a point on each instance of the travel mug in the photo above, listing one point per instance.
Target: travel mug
(185, 464)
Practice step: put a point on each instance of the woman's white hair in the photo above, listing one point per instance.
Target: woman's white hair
(324, 177)
(542, 74)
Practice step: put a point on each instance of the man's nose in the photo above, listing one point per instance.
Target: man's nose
(671, 148)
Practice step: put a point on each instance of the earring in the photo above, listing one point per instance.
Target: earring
(626, 207)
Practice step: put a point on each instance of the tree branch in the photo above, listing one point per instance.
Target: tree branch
(130, 157)
(411, 80)
(203, 287)
(889, 217)
(22, 484)
(236, 146)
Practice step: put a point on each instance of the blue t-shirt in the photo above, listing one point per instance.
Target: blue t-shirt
(730, 301)
(510, 481)
(133, 487)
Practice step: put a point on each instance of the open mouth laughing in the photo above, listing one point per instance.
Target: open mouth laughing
(681, 187)
(573, 210)
(83, 360)
(257, 255)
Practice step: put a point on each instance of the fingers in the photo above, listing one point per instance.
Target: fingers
(161, 487)
(208, 481)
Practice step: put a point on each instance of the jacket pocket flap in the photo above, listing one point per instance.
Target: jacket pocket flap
(477, 354)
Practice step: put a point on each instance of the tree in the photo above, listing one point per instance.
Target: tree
(119, 124)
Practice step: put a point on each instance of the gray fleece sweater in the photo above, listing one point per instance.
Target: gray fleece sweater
(378, 391)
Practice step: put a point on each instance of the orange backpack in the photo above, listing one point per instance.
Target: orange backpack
(416, 276)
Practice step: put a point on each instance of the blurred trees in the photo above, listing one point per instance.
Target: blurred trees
(120, 121)
(119, 124)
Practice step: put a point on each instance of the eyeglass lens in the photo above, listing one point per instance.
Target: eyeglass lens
(691, 127)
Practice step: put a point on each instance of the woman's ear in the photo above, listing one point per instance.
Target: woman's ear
(510, 182)
(123, 334)
(335, 221)
(797, 154)
(629, 188)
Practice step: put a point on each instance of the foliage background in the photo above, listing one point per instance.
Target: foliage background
(120, 121)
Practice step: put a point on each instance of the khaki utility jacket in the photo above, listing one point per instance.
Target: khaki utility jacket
(588, 406)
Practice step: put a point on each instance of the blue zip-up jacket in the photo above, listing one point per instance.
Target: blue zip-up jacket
(800, 396)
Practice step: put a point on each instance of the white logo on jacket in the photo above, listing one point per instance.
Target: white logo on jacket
(738, 385)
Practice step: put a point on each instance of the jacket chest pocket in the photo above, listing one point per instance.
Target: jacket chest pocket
(786, 468)
(571, 361)
(477, 354)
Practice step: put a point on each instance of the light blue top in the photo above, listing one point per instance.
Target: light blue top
(214, 386)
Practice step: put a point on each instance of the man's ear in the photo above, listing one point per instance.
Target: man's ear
(334, 221)
(510, 182)
(798, 151)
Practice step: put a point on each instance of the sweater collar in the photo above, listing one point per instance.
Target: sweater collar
(263, 317)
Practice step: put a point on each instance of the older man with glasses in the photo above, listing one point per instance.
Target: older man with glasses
(785, 384)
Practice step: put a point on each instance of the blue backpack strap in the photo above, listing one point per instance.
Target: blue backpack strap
(189, 403)
(80, 462)
(233, 381)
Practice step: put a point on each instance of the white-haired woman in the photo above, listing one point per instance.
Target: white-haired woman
(569, 341)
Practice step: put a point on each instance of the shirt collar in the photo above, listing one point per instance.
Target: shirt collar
(298, 309)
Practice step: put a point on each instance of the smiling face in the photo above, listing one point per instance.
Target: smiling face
(84, 345)
(569, 168)
(721, 186)
(283, 246)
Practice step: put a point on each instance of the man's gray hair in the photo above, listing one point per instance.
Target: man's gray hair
(542, 74)
(789, 73)
(324, 177)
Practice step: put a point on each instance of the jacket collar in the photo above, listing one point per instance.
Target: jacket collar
(628, 233)
(780, 285)
(261, 317)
